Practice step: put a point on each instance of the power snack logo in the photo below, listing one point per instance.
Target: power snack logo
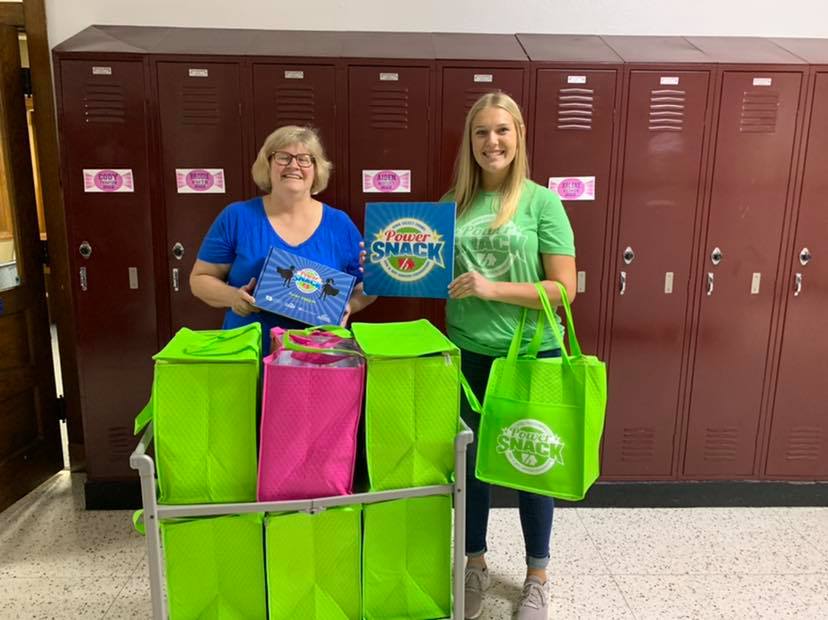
(408, 249)
(491, 252)
(531, 447)
(307, 280)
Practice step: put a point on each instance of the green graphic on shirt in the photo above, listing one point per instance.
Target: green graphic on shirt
(490, 252)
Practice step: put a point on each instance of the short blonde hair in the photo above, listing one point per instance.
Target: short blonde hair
(285, 136)
(467, 172)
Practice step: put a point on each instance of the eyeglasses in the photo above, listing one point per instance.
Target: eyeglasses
(283, 158)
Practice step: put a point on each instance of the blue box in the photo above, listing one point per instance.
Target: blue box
(409, 248)
(302, 289)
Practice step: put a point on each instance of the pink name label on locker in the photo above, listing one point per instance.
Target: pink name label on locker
(573, 188)
(200, 180)
(97, 180)
(386, 181)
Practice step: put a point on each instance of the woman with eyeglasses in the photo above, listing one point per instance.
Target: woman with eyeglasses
(290, 169)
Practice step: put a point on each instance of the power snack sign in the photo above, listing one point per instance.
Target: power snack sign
(410, 249)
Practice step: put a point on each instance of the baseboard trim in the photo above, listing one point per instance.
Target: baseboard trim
(112, 494)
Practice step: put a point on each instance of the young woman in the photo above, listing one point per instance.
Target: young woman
(290, 168)
(510, 233)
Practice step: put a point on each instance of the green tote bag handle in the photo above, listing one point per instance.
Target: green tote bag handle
(144, 417)
(574, 345)
(221, 344)
(546, 311)
(470, 396)
(341, 332)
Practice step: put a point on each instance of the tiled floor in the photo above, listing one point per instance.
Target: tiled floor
(59, 561)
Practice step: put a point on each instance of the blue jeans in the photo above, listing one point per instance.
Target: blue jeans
(535, 510)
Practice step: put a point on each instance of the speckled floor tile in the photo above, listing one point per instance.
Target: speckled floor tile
(134, 601)
(725, 596)
(49, 533)
(573, 596)
(699, 541)
(58, 597)
(571, 550)
(811, 523)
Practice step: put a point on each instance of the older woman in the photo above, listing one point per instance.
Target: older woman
(290, 168)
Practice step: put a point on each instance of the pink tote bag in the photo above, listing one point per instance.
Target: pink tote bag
(311, 403)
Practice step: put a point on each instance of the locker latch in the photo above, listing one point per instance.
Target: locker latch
(805, 256)
(629, 255)
(716, 256)
(178, 250)
(85, 249)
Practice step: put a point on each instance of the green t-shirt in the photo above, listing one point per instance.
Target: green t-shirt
(512, 253)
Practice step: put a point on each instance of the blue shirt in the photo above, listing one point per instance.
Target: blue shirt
(242, 235)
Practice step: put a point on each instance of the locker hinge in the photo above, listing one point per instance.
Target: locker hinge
(60, 409)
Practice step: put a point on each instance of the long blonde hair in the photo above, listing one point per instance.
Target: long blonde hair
(467, 172)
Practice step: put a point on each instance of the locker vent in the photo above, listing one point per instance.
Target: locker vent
(104, 103)
(199, 105)
(121, 443)
(472, 95)
(804, 443)
(721, 444)
(388, 107)
(295, 106)
(760, 110)
(667, 110)
(575, 108)
(638, 444)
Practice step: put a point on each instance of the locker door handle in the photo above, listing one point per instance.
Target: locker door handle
(797, 284)
(175, 280)
(623, 283)
(84, 282)
(710, 277)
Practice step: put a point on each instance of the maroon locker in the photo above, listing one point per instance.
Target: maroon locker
(662, 167)
(472, 65)
(389, 129)
(297, 94)
(103, 123)
(469, 66)
(798, 443)
(573, 131)
(749, 194)
(200, 113)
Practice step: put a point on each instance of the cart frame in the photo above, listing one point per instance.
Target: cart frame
(155, 512)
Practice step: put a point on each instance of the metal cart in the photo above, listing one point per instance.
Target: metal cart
(155, 512)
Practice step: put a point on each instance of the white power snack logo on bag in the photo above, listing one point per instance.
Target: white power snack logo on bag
(531, 447)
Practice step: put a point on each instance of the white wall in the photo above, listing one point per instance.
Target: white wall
(802, 18)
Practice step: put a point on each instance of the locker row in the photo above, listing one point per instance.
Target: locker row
(691, 170)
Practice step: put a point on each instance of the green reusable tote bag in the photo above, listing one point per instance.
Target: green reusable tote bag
(412, 403)
(313, 564)
(203, 408)
(215, 567)
(407, 559)
(542, 419)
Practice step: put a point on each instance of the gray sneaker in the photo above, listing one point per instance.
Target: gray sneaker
(477, 580)
(534, 600)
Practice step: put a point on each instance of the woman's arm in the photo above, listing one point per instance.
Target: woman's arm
(208, 283)
(556, 267)
(359, 300)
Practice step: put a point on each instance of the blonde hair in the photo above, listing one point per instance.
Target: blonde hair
(285, 136)
(467, 172)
